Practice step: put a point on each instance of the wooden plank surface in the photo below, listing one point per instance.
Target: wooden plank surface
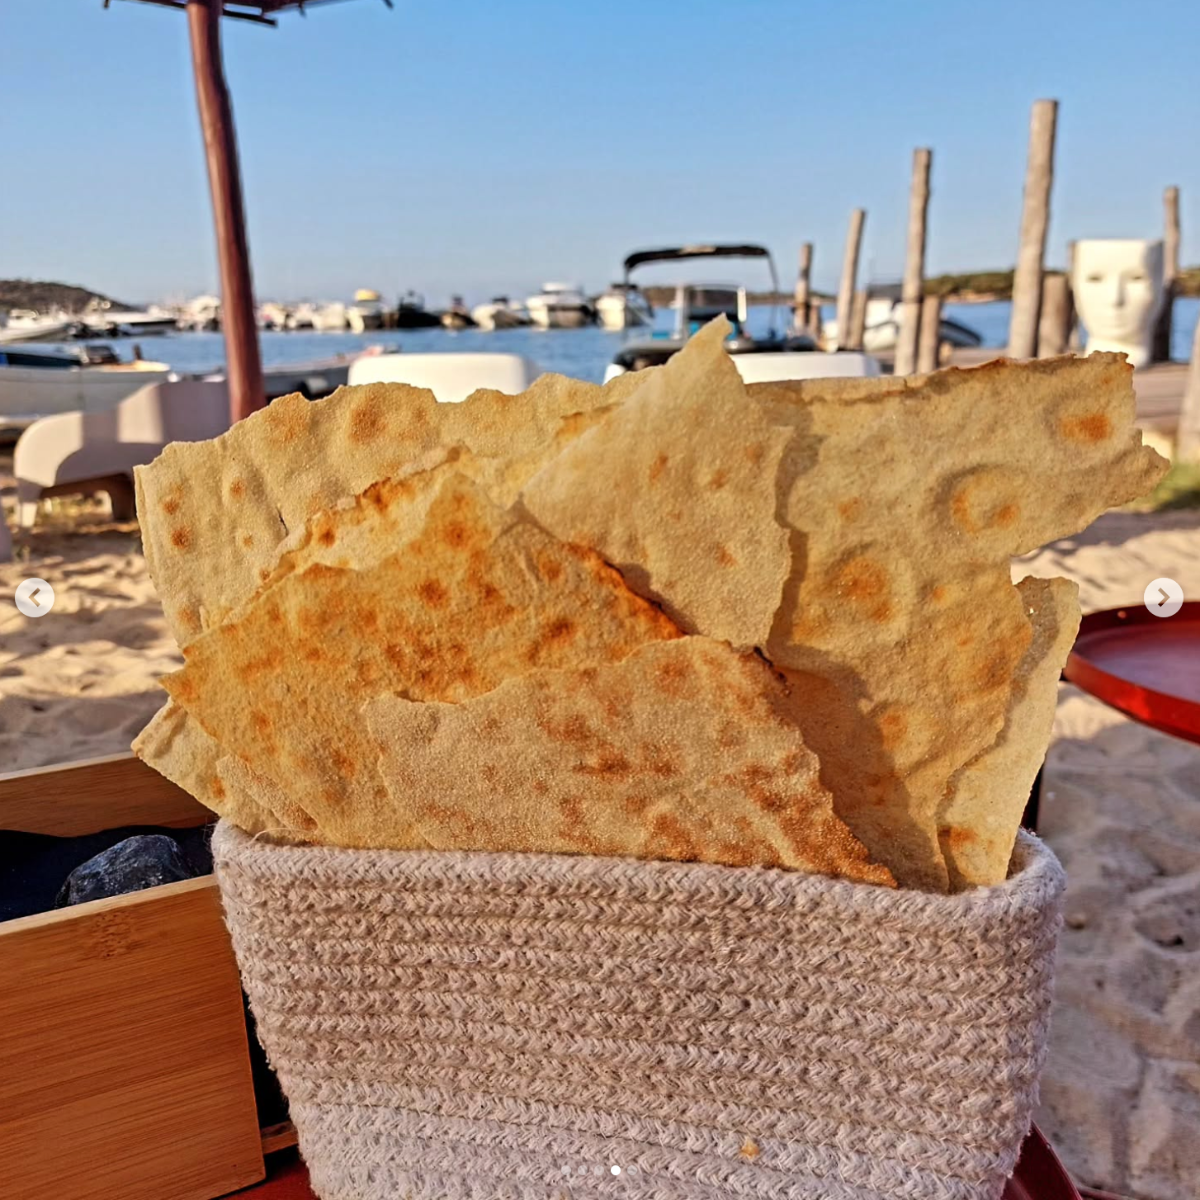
(72, 799)
(124, 1069)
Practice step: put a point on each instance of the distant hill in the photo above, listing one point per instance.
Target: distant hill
(42, 296)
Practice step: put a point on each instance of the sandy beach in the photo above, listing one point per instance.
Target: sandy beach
(1121, 806)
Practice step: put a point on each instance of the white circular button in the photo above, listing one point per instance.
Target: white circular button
(1164, 597)
(35, 597)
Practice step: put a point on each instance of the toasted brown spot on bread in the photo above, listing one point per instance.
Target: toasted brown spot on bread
(181, 537)
(658, 466)
(1092, 428)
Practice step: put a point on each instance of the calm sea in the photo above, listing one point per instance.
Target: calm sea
(582, 353)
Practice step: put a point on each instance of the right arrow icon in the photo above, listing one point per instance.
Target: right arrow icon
(1163, 597)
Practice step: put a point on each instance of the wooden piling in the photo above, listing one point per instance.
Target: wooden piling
(800, 305)
(858, 320)
(845, 298)
(1161, 349)
(1035, 219)
(914, 265)
(814, 317)
(928, 358)
(1057, 316)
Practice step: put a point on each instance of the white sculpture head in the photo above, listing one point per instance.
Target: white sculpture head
(1118, 285)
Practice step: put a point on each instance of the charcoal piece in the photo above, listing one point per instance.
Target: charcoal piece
(144, 861)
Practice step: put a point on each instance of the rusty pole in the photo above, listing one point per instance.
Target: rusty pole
(243, 367)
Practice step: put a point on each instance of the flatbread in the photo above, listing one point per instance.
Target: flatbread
(899, 620)
(677, 489)
(480, 596)
(213, 514)
(978, 823)
(679, 751)
(180, 750)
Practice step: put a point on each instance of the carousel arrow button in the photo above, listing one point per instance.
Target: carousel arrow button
(1163, 597)
(35, 597)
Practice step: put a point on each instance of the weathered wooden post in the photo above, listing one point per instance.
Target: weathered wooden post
(1035, 219)
(931, 331)
(1187, 436)
(845, 298)
(858, 320)
(1161, 350)
(800, 301)
(1057, 316)
(914, 266)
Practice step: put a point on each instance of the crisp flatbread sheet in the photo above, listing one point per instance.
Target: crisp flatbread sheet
(677, 489)
(899, 622)
(213, 514)
(682, 750)
(180, 750)
(480, 596)
(978, 824)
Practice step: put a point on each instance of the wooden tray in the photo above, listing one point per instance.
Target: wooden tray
(124, 1070)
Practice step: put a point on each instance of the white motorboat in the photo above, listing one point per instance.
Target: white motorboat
(623, 306)
(759, 357)
(330, 318)
(499, 313)
(559, 306)
(301, 316)
(24, 325)
(37, 384)
(882, 327)
(100, 318)
(367, 312)
(202, 314)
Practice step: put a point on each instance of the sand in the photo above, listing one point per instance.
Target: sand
(1121, 806)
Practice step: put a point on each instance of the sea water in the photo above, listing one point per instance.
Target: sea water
(582, 353)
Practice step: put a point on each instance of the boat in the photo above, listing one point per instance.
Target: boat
(882, 327)
(25, 325)
(37, 384)
(201, 315)
(411, 313)
(457, 316)
(367, 311)
(100, 318)
(696, 304)
(559, 306)
(301, 316)
(623, 306)
(499, 313)
(272, 316)
(330, 318)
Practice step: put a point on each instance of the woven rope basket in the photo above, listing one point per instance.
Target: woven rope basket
(473, 1026)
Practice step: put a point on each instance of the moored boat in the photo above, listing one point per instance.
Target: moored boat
(623, 306)
(559, 306)
(411, 313)
(499, 313)
(367, 311)
(457, 316)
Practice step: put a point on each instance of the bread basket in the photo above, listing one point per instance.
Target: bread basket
(469, 1026)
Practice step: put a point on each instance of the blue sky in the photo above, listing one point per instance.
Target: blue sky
(487, 145)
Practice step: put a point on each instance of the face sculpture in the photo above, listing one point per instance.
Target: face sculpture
(1118, 286)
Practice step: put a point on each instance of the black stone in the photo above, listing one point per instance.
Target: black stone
(34, 865)
(144, 861)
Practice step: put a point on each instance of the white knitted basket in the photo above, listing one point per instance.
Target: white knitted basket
(472, 1026)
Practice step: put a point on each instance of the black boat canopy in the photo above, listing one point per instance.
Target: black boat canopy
(674, 252)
